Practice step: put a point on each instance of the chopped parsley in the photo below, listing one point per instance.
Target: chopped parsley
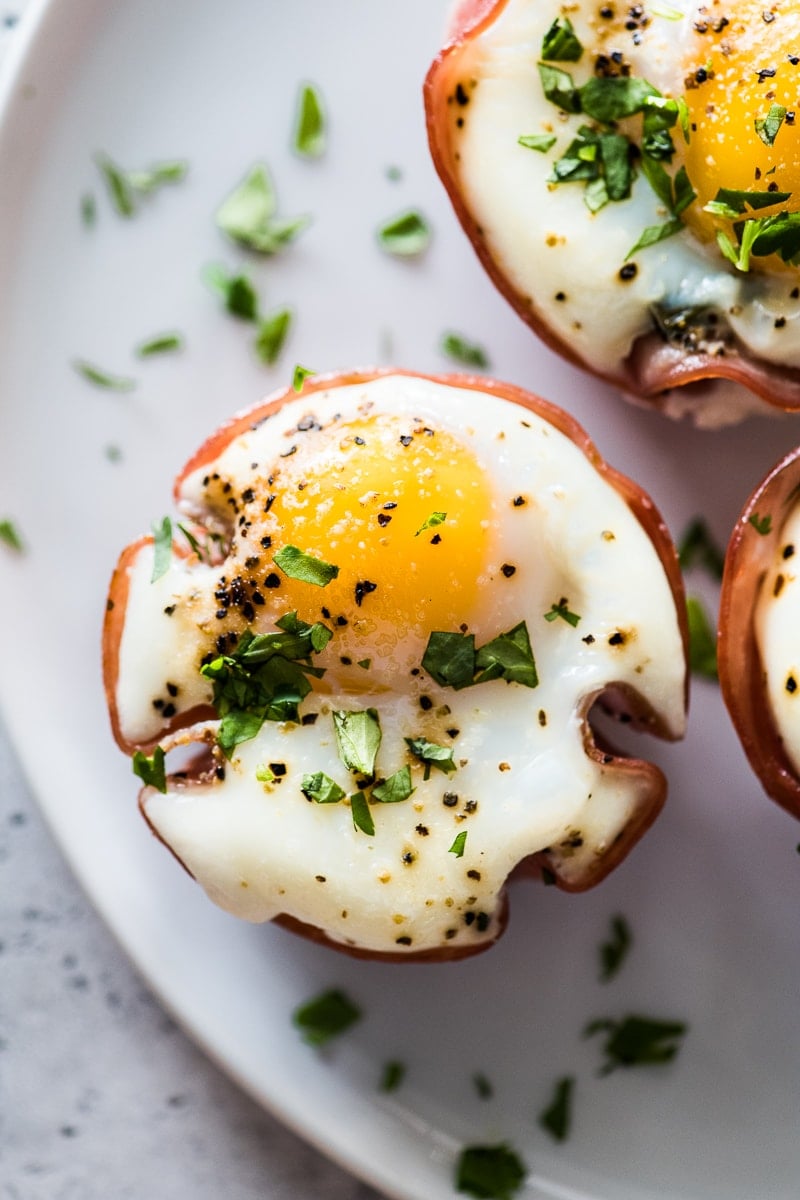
(636, 1041)
(362, 817)
(393, 1075)
(151, 770)
(557, 1116)
(248, 217)
(299, 377)
(394, 789)
(126, 188)
(406, 235)
(296, 564)
(459, 843)
(238, 294)
(453, 660)
(468, 354)
(489, 1172)
(561, 43)
(508, 656)
(697, 547)
(753, 235)
(162, 548)
(702, 640)
(309, 134)
(482, 1086)
(103, 379)
(436, 518)
(604, 159)
(162, 343)
(205, 552)
(272, 334)
(562, 610)
(768, 127)
(538, 141)
(325, 1017)
(761, 525)
(265, 774)
(432, 755)
(89, 210)
(614, 951)
(10, 536)
(358, 736)
(264, 678)
(320, 788)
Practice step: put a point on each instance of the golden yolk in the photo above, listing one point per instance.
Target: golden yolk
(739, 65)
(359, 496)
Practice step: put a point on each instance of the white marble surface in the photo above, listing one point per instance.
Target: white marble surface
(101, 1095)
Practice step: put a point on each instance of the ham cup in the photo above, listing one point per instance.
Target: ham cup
(382, 619)
(630, 179)
(759, 639)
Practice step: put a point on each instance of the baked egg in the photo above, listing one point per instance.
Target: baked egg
(388, 607)
(629, 175)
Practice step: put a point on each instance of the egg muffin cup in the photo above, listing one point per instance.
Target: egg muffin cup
(381, 623)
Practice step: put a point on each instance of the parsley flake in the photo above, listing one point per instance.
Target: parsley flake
(264, 774)
(469, 354)
(432, 755)
(559, 88)
(561, 610)
(248, 217)
(538, 141)
(482, 1086)
(296, 564)
(272, 334)
(237, 292)
(436, 518)
(405, 235)
(393, 1075)
(126, 188)
(459, 842)
(103, 379)
(301, 374)
(702, 640)
(489, 1172)
(9, 535)
(358, 736)
(561, 43)
(614, 951)
(88, 210)
(162, 548)
(557, 1116)
(162, 343)
(309, 134)
(151, 770)
(325, 1017)
(636, 1041)
(762, 525)
(396, 788)
(767, 127)
(698, 548)
(362, 817)
(320, 788)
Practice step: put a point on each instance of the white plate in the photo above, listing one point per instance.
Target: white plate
(712, 894)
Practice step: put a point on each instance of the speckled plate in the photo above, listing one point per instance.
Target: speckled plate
(712, 895)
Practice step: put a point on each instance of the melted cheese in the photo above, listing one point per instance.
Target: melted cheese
(550, 531)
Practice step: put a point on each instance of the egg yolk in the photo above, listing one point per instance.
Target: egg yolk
(745, 57)
(404, 512)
